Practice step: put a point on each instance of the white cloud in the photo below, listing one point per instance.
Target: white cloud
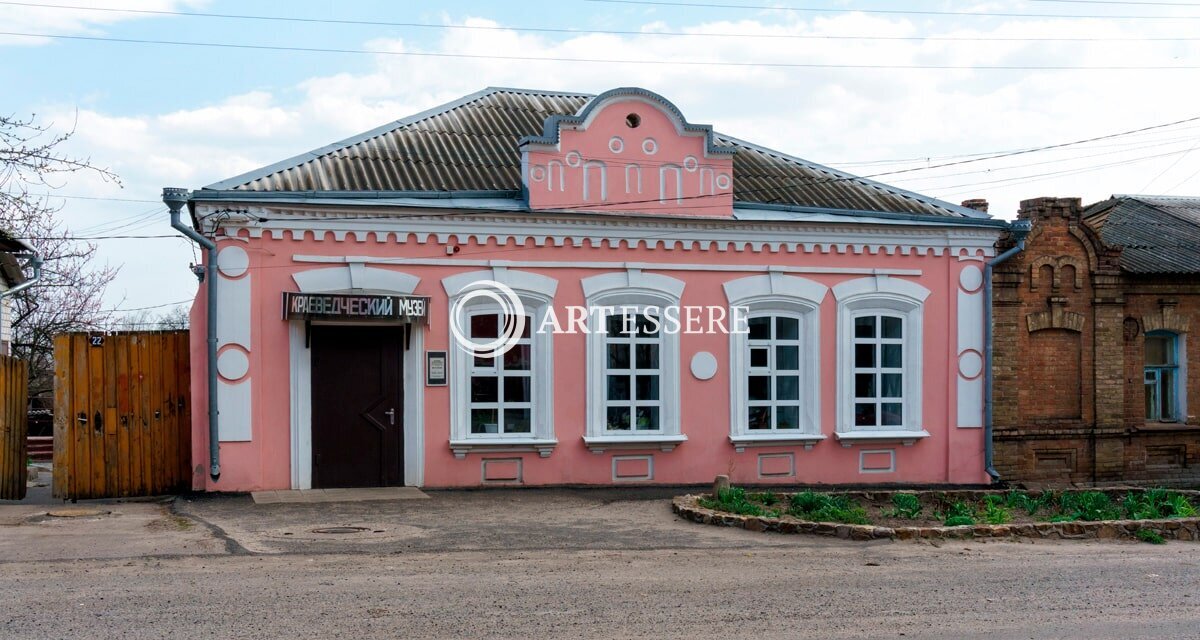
(827, 115)
(75, 20)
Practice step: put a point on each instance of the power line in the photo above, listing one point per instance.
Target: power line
(564, 31)
(156, 306)
(1123, 2)
(903, 12)
(685, 63)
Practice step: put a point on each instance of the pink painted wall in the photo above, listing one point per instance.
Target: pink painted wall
(950, 455)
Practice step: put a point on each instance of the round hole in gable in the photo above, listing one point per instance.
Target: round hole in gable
(633, 120)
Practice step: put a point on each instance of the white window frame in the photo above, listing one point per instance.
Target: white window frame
(881, 295)
(776, 294)
(536, 293)
(637, 290)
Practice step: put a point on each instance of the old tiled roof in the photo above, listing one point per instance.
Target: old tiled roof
(471, 144)
(1157, 234)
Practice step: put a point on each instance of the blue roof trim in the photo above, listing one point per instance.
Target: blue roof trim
(858, 214)
(208, 194)
(553, 125)
(951, 207)
(309, 156)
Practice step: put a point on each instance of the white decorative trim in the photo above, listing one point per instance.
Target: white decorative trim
(778, 295)
(862, 457)
(233, 364)
(907, 438)
(425, 223)
(600, 444)
(519, 281)
(536, 292)
(234, 400)
(649, 469)
(740, 443)
(791, 458)
(233, 312)
(355, 276)
(631, 288)
(876, 295)
(704, 365)
(483, 471)
(599, 264)
(233, 261)
(970, 313)
(632, 281)
(542, 447)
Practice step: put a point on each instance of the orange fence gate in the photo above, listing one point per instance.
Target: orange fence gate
(14, 401)
(122, 414)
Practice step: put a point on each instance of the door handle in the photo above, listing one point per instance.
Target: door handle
(391, 414)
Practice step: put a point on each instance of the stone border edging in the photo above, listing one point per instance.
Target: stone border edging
(1187, 529)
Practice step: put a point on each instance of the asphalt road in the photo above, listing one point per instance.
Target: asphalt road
(672, 580)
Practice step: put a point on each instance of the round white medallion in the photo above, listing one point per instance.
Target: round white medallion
(573, 159)
(649, 146)
(232, 364)
(537, 173)
(616, 144)
(233, 261)
(704, 365)
(970, 364)
(690, 164)
(723, 181)
(971, 278)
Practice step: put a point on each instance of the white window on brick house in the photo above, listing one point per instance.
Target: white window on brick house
(1162, 377)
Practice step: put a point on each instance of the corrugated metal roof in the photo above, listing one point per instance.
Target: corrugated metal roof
(1157, 234)
(471, 144)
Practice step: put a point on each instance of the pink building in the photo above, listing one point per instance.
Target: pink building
(858, 357)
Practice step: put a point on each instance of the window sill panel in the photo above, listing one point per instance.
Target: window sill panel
(599, 444)
(508, 445)
(741, 442)
(907, 438)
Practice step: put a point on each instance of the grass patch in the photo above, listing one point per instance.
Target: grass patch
(1150, 535)
(823, 507)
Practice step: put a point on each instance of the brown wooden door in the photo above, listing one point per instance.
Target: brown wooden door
(357, 412)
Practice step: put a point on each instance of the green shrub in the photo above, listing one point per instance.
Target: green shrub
(1149, 535)
(994, 513)
(957, 521)
(1157, 503)
(822, 507)
(905, 505)
(769, 498)
(959, 513)
(1182, 507)
(1088, 505)
(732, 500)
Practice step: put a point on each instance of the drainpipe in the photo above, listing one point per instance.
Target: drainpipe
(175, 198)
(1019, 229)
(35, 261)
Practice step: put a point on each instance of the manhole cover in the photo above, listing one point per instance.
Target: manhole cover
(76, 513)
(340, 530)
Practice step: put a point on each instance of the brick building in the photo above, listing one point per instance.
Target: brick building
(1091, 343)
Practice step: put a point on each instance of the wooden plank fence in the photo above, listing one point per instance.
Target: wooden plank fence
(122, 414)
(14, 409)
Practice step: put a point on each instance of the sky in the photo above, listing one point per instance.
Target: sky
(891, 90)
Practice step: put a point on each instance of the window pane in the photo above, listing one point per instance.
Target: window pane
(647, 387)
(893, 327)
(760, 328)
(618, 387)
(1151, 386)
(484, 389)
(646, 328)
(1159, 350)
(516, 421)
(893, 386)
(760, 418)
(517, 389)
(893, 414)
(510, 322)
(893, 356)
(864, 385)
(760, 388)
(615, 324)
(864, 414)
(787, 388)
(787, 328)
(864, 355)
(518, 358)
(647, 418)
(484, 421)
(618, 418)
(787, 358)
(1166, 384)
(618, 356)
(647, 356)
(789, 417)
(759, 356)
(485, 326)
(864, 327)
